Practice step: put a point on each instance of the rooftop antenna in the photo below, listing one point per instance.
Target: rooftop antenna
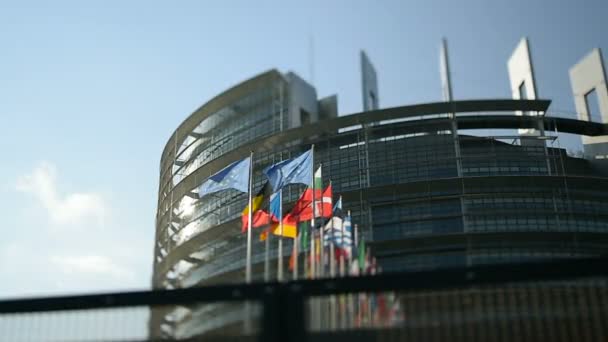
(444, 69)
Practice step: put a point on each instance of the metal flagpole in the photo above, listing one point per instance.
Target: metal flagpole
(356, 236)
(312, 220)
(296, 254)
(332, 268)
(332, 252)
(247, 319)
(267, 256)
(250, 216)
(306, 260)
(315, 304)
(267, 242)
(280, 259)
(321, 235)
(348, 312)
(313, 271)
(280, 251)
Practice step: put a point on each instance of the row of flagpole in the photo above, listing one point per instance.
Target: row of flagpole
(279, 175)
(340, 259)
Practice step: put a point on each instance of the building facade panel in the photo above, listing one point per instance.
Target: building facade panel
(417, 202)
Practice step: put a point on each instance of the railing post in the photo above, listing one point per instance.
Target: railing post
(283, 319)
(294, 315)
(270, 323)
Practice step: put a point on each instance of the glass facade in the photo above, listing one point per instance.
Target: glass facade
(403, 181)
(377, 157)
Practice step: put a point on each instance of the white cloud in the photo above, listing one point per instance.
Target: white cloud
(105, 253)
(71, 208)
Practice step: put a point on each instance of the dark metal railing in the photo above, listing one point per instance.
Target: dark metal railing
(283, 305)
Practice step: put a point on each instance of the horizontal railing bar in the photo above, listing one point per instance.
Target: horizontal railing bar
(406, 281)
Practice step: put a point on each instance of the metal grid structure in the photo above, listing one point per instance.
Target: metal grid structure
(549, 301)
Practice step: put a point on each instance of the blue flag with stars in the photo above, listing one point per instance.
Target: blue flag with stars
(234, 176)
(290, 171)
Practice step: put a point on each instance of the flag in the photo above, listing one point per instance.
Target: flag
(332, 232)
(290, 171)
(337, 210)
(323, 201)
(259, 216)
(324, 204)
(333, 229)
(275, 205)
(274, 214)
(303, 227)
(361, 254)
(290, 224)
(339, 232)
(290, 228)
(347, 237)
(264, 234)
(302, 209)
(318, 181)
(234, 176)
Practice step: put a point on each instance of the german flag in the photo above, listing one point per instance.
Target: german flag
(290, 229)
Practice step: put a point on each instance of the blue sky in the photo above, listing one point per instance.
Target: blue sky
(91, 90)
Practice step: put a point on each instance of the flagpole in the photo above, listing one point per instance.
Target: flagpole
(296, 255)
(332, 264)
(267, 243)
(267, 256)
(247, 318)
(280, 259)
(250, 216)
(315, 304)
(332, 253)
(312, 220)
(321, 234)
(356, 236)
(306, 260)
(313, 271)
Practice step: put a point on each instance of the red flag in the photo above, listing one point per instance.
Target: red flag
(325, 203)
(260, 218)
(302, 210)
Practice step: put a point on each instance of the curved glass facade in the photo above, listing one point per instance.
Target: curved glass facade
(425, 194)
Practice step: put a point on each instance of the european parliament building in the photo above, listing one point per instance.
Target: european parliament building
(431, 186)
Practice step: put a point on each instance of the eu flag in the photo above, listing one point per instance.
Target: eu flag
(234, 176)
(290, 171)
